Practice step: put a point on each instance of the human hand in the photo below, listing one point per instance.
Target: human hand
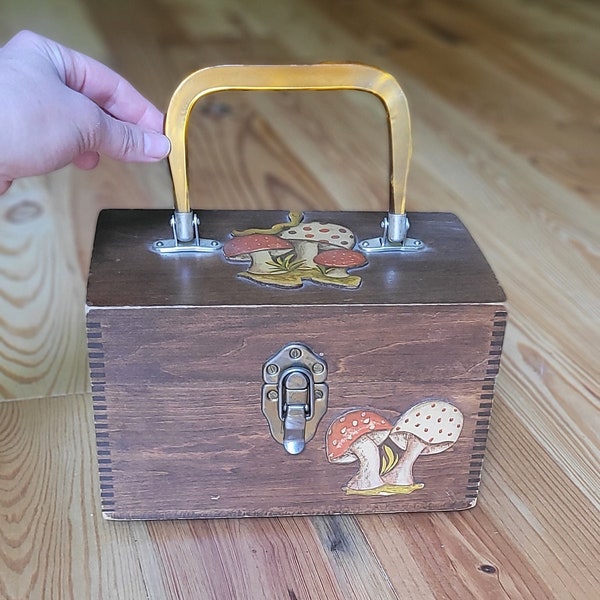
(58, 106)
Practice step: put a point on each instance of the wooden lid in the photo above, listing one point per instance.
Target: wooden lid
(125, 271)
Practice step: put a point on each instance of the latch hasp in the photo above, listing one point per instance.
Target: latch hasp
(294, 395)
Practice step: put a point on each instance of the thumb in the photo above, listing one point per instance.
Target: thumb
(127, 141)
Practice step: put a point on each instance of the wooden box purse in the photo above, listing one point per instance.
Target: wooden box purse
(264, 363)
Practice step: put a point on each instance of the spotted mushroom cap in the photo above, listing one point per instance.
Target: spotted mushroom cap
(351, 426)
(244, 245)
(436, 422)
(326, 234)
(346, 259)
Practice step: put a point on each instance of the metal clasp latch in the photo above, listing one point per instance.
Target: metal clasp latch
(294, 395)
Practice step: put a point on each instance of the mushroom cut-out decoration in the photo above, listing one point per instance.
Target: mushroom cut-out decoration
(356, 436)
(310, 238)
(335, 265)
(387, 453)
(258, 248)
(291, 253)
(427, 428)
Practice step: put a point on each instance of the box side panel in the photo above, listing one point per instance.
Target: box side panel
(177, 403)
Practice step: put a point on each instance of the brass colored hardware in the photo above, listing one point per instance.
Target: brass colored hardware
(294, 395)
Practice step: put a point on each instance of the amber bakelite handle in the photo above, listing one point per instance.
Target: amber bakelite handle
(319, 77)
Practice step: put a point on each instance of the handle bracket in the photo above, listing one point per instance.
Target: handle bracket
(186, 222)
(383, 243)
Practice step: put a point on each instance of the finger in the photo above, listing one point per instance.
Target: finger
(106, 88)
(87, 160)
(128, 142)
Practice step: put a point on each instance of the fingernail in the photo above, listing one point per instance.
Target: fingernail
(156, 145)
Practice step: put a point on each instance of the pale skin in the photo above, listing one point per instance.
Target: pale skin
(58, 107)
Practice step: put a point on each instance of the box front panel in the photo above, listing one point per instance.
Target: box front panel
(181, 433)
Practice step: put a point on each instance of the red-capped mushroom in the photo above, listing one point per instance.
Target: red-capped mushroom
(259, 248)
(337, 262)
(429, 427)
(309, 238)
(356, 435)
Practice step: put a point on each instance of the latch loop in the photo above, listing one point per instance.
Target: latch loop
(294, 395)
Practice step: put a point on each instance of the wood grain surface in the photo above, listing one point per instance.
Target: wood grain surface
(504, 98)
(450, 269)
(179, 427)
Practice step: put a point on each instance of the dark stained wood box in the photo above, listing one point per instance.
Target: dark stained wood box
(179, 347)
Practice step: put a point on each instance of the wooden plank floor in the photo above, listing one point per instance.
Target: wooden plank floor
(505, 100)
